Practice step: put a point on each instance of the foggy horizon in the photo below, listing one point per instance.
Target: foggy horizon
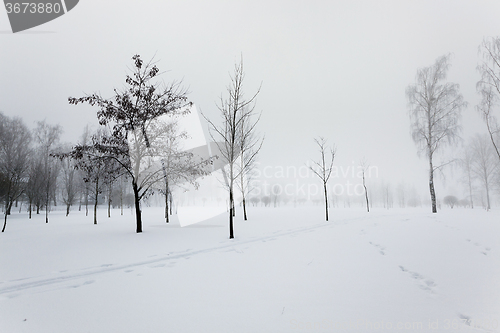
(332, 69)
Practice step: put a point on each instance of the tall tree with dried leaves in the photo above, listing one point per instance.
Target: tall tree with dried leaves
(129, 114)
(435, 108)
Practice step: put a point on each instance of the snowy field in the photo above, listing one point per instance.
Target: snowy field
(286, 271)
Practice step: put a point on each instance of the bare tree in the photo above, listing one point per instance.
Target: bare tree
(363, 165)
(35, 188)
(435, 111)
(47, 137)
(69, 182)
(450, 200)
(489, 87)
(466, 163)
(323, 168)
(276, 192)
(484, 164)
(15, 148)
(250, 145)
(235, 111)
(179, 166)
(401, 192)
(98, 168)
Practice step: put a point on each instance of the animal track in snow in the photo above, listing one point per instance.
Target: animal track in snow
(379, 247)
(423, 282)
(485, 250)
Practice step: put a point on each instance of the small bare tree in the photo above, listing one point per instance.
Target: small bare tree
(47, 137)
(323, 168)
(69, 181)
(250, 145)
(363, 165)
(235, 111)
(484, 164)
(435, 111)
(466, 162)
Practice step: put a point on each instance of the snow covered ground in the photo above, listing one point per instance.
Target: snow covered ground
(286, 271)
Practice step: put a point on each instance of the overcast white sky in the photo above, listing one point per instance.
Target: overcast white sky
(338, 69)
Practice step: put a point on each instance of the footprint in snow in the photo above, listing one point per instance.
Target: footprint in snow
(423, 283)
(106, 265)
(129, 271)
(486, 251)
(381, 248)
(465, 319)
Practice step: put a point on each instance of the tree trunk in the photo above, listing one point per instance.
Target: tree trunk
(29, 214)
(166, 208)
(431, 187)
(121, 197)
(488, 207)
(244, 209)
(4, 222)
(137, 207)
(470, 194)
(366, 194)
(109, 207)
(326, 201)
(95, 200)
(171, 200)
(166, 200)
(47, 209)
(86, 201)
(67, 209)
(231, 210)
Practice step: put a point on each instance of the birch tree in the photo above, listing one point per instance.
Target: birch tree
(435, 108)
(489, 88)
(484, 164)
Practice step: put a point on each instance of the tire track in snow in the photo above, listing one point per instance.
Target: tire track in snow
(13, 286)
